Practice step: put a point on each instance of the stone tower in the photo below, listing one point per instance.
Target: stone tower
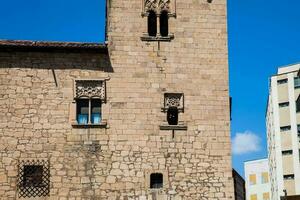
(146, 117)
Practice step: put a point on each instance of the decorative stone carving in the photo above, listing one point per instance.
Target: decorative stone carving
(90, 88)
(157, 5)
(174, 100)
(150, 5)
(164, 5)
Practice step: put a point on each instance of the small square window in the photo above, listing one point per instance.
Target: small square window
(88, 111)
(34, 178)
(156, 180)
(33, 175)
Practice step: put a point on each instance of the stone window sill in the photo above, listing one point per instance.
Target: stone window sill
(103, 124)
(181, 126)
(148, 38)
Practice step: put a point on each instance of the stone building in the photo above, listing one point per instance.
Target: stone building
(144, 116)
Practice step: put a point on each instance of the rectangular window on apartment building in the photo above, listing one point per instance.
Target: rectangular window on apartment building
(282, 81)
(252, 178)
(297, 82)
(253, 197)
(264, 177)
(287, 152)
(298, 104)
(284, 104)
(288, 177)
(266, 196)
(285, 128)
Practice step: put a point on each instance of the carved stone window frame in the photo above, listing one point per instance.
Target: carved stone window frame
(79, 92)
(175, 100)
(158, 6)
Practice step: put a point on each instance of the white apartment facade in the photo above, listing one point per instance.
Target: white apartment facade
(283, 131)
(257, 180)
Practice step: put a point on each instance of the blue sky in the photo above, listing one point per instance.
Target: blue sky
(262, 36)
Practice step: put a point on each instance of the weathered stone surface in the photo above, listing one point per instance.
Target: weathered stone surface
(116, 162)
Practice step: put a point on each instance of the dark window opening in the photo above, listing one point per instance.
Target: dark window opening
(287, 152)
(288, 176)
(33, 176)
(285, 128)
(82, 111)
(284, 104)
(164, 24)
(172, 116)
(156, 180)
(282, 81)
(152, 24)
(297, 82)
(96, 111)
(298, 104)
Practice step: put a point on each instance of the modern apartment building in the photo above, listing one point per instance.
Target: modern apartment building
(257, 180)
(283, 129)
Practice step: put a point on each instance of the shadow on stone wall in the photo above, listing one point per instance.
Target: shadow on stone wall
(56, 59)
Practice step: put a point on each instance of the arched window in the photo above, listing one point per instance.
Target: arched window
(172, 116)
(164, 24)
(152, 24)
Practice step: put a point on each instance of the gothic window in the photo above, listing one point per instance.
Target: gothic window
(152, 24)
(90, 94)
(156, 180)
(34, 178)
(173, 106)
(164, 24)
(158, 11)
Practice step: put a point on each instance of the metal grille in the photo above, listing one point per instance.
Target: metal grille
(34, 178)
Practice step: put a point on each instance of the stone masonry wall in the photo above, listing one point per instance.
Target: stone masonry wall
(197, 161)
(115, 162)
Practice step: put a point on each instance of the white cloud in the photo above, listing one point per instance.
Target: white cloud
(246, 142)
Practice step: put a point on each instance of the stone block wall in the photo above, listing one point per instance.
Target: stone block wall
(116, 161)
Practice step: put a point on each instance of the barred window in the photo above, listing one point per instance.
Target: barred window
(34, 178)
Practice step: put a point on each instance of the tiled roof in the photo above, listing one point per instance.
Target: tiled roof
(37, 45)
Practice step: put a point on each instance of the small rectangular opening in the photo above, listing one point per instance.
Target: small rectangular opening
(288, 177)
(282, 81)
(287, 152)
(156, 180)
(33, 175)
(285, 128)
